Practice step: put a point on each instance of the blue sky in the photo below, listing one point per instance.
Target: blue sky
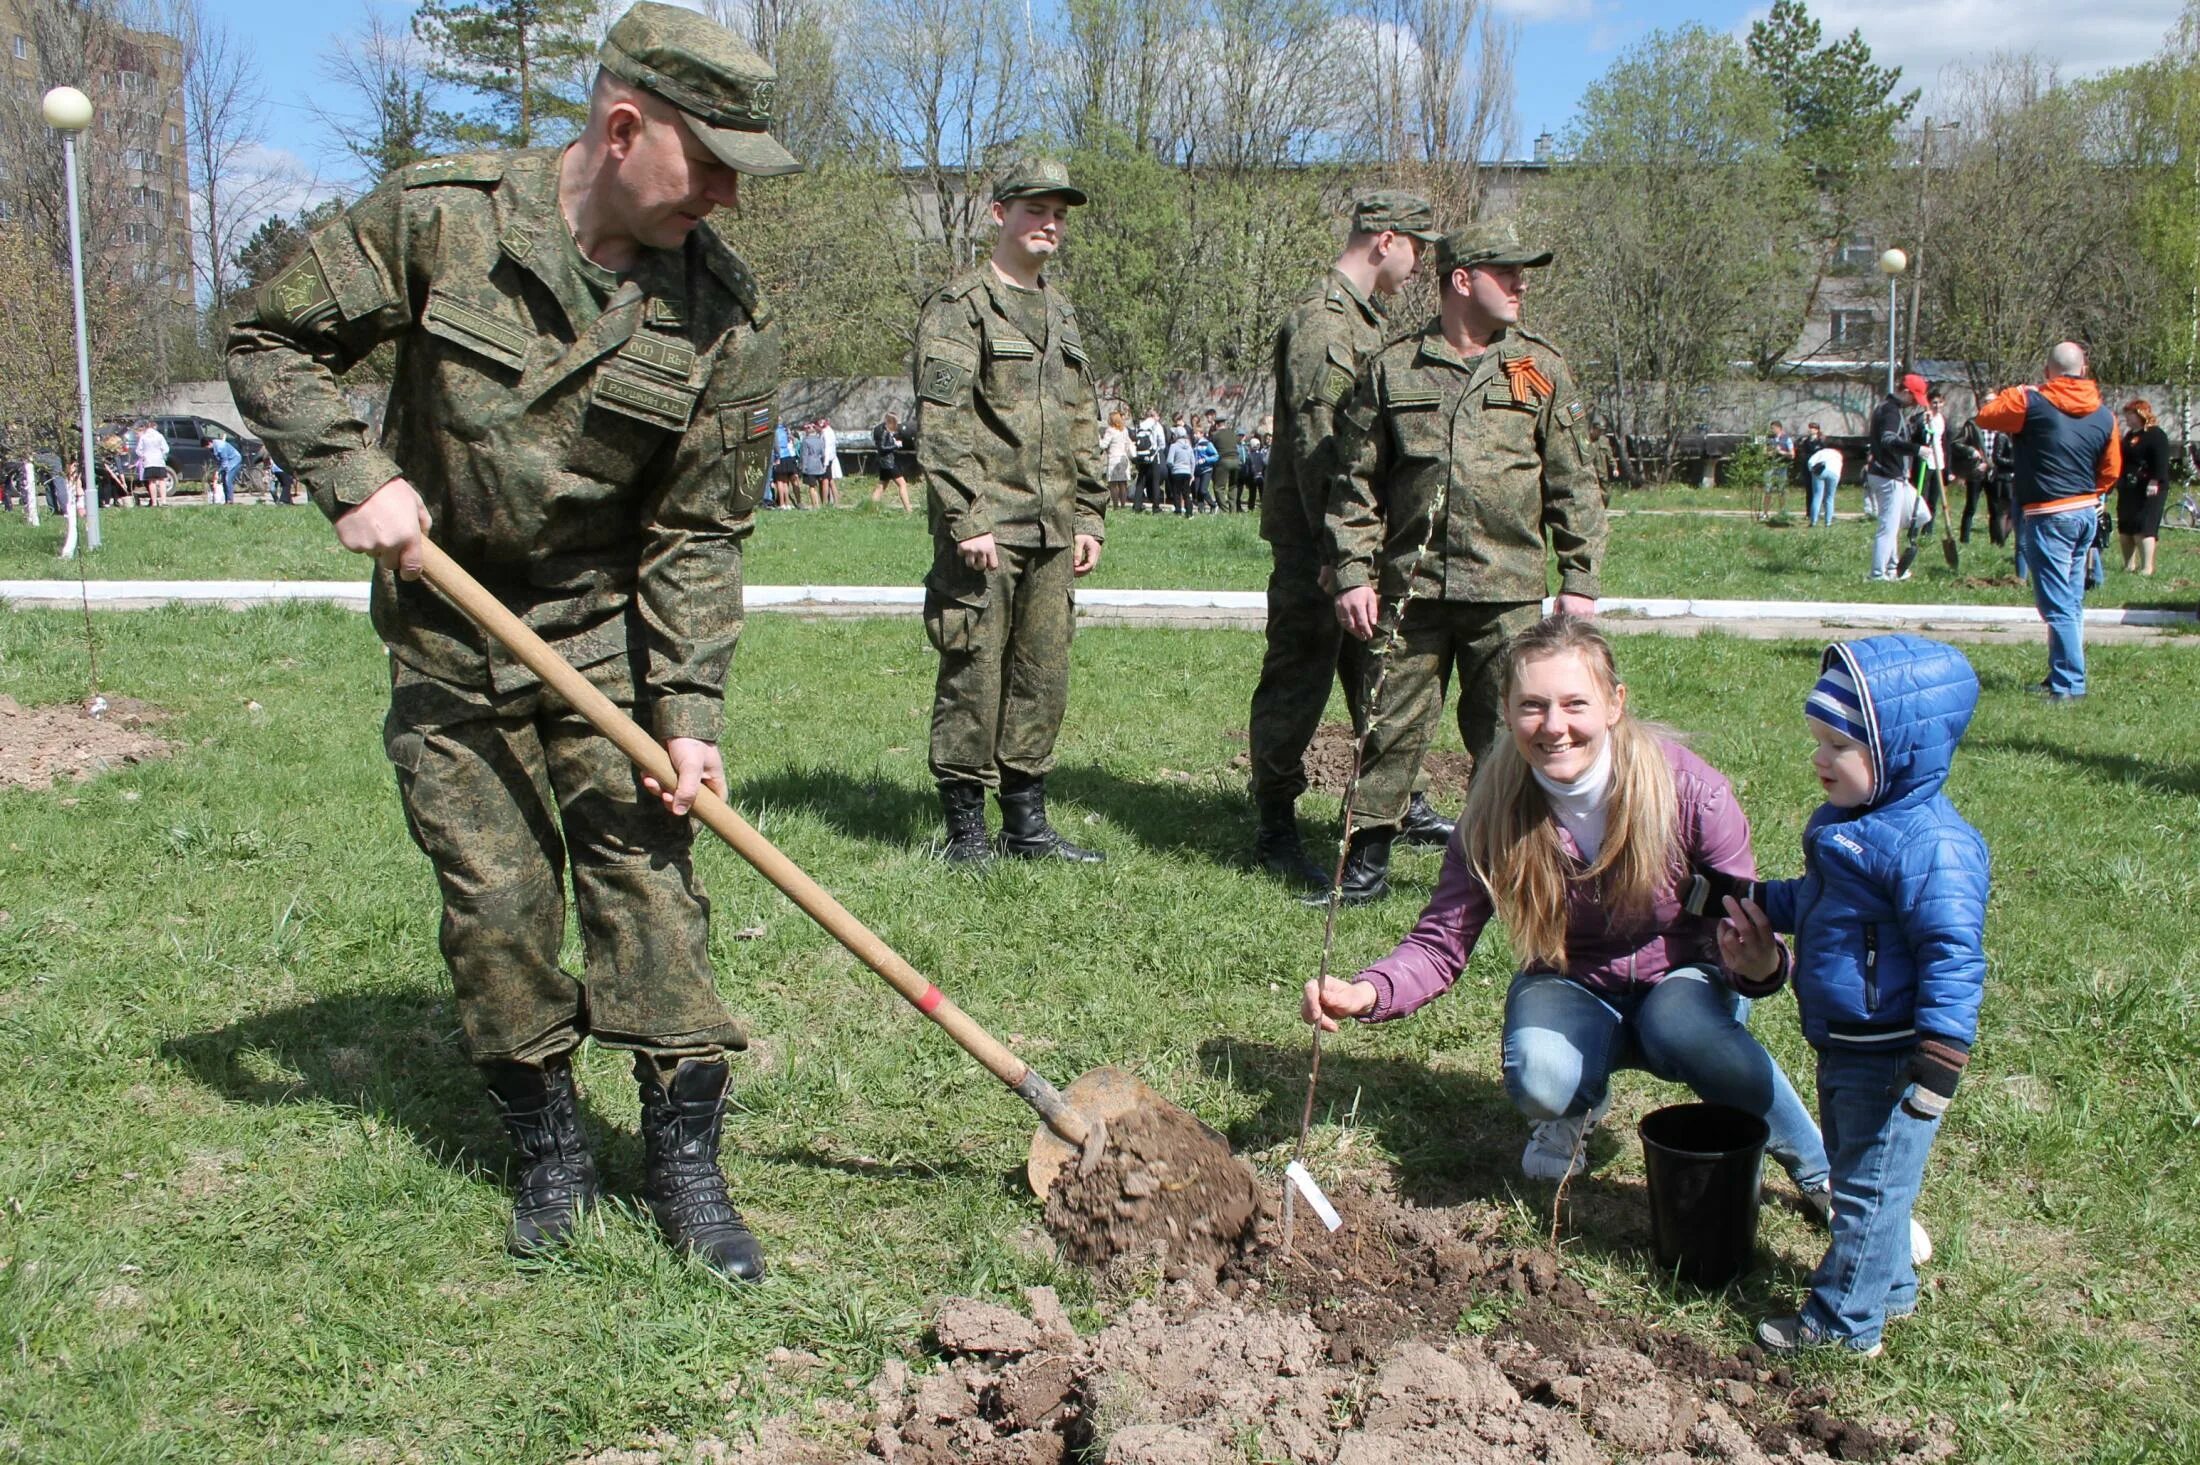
(1564, 45)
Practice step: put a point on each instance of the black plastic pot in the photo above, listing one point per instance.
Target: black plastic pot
(1704, 1163)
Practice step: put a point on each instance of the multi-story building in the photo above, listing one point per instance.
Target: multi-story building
(133, 167)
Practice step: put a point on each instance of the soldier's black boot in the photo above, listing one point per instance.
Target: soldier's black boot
(557, 1177)
(1366, 870)
(1423, 826)
(1278, 849)
(964, 805)
(1025, 833)
(683, 1185)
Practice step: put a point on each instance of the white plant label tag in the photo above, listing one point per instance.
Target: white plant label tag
(1297, 1174)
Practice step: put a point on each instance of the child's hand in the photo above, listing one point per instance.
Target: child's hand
(1746, 943)
(1331, 999)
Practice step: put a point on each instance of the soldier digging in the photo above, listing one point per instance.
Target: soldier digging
(1466, 437)
(1008, 443)
(581, 415)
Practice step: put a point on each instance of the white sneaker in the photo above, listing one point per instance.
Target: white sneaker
(1921, 1245)
(1559, 1148)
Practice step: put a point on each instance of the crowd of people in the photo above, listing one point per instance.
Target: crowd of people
(1196, 463)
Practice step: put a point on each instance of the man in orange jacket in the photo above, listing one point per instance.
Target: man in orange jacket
(2067, 458)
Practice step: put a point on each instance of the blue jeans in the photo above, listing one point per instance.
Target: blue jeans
(229, 484)
(2056, 545)
(1822, 484)
(1878, 1167)
(1563, 1041)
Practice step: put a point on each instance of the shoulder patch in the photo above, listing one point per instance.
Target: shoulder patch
(941, 379)
(1544, 341)
(960, 288)
(1573, 411)
(1337, 376)
(299, 296)
(459, 168)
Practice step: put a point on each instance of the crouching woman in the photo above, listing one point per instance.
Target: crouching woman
(1582, 832)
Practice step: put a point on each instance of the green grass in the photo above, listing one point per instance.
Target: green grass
(1656, 555)
(249, 1194)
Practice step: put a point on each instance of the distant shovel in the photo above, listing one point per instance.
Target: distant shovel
(1076, 1121)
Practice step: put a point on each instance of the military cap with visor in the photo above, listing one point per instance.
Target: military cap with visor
(1389, 210)
(1036, 177)
(1491, 243)
(723, 90)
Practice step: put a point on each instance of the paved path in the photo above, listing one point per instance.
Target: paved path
(1199, 609)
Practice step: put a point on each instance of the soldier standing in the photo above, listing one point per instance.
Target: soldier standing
(581, 414)
(1467, 437)
(1008, 442)
(1319, 350)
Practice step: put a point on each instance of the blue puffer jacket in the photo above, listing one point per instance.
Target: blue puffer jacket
(1890, 914)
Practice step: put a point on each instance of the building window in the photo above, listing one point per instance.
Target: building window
(1853, 328)
(175, 134)
(22, 48)
(1859, 251)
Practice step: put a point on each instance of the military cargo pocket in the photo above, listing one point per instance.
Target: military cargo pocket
(1420, 429)
(745, 430)
(954, 609)
(1011, 371)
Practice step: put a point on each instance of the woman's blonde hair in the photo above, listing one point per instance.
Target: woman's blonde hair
(1512, 841)
(1115, 419)
(2142, 409)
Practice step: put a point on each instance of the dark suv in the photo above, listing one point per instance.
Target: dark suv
(191, 446)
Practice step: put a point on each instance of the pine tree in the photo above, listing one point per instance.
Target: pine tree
(530, 61)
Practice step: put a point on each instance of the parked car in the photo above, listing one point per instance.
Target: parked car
(191, 446)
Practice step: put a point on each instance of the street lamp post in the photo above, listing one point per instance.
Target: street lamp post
(1892, 264)
(69, 112)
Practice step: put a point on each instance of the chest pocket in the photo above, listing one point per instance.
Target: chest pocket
(1417, 420)
(1011, 370)
(481, 350)
(652, 378)
(745, 433)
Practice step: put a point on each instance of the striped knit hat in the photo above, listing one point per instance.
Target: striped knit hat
(1836, 703)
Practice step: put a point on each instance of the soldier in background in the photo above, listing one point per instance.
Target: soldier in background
(581, 414)
(1008, 431)
(1320, 346)
(1466, 436)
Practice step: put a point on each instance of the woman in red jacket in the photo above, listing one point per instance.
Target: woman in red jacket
(1583, 832)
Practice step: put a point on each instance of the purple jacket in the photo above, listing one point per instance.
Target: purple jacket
(1713, 834)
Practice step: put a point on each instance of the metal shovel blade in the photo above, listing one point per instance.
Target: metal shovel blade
(1103, 1095)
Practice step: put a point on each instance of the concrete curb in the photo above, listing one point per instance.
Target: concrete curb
(1221, 605)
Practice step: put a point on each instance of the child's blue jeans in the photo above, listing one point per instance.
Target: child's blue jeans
(1878, 1152)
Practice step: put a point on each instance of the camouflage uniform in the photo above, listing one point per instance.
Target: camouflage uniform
(1008, 444)
(592, 448)
(1499, 440)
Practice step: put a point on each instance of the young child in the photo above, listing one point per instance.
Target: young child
(1889, 919)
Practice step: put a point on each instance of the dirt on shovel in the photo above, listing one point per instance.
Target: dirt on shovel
(1164, 1190)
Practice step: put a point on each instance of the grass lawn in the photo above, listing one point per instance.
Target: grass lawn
(1707, 556)
(250, 1204)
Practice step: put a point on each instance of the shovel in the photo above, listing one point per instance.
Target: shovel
(1076, 1119)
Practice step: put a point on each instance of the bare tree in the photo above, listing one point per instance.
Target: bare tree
(236, 186)
(1434, 83)
(378, 74)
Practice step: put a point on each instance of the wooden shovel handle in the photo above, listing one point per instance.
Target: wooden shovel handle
(462, 590)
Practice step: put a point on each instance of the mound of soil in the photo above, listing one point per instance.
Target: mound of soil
(41, 744)
(1329, 765)
(1165, 1189)
(1410, 1335)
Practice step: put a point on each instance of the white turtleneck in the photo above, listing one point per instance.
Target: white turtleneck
(1581, 805)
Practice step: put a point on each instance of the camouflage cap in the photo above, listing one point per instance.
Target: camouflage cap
(1391, 210)
(1493, 242)
(1036, 176)
(723, 90)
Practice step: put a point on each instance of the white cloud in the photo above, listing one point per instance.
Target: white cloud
(1534, 12)
(1925, 37)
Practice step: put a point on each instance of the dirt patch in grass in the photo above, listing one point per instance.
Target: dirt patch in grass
(1410, 1335)
(1329, 764)
(1164, 1190)
(41, 744)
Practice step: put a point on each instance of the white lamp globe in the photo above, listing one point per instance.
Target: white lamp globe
(1893, 262)
(67, 109)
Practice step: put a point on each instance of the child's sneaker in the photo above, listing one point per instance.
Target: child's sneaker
(1791, 1334)
(1559, 1148)
(1818, 1200)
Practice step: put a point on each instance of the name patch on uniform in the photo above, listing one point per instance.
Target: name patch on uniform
(634, 394)
(662, 355)
(500, 340)
(1011, 348)
(1408, 399)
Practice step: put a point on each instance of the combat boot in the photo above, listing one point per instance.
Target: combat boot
(1025, 833)
(557, 1177)
(1423, 826)
(685, 1189)
(1366, 870)
(964, 805)
(1278, 849)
